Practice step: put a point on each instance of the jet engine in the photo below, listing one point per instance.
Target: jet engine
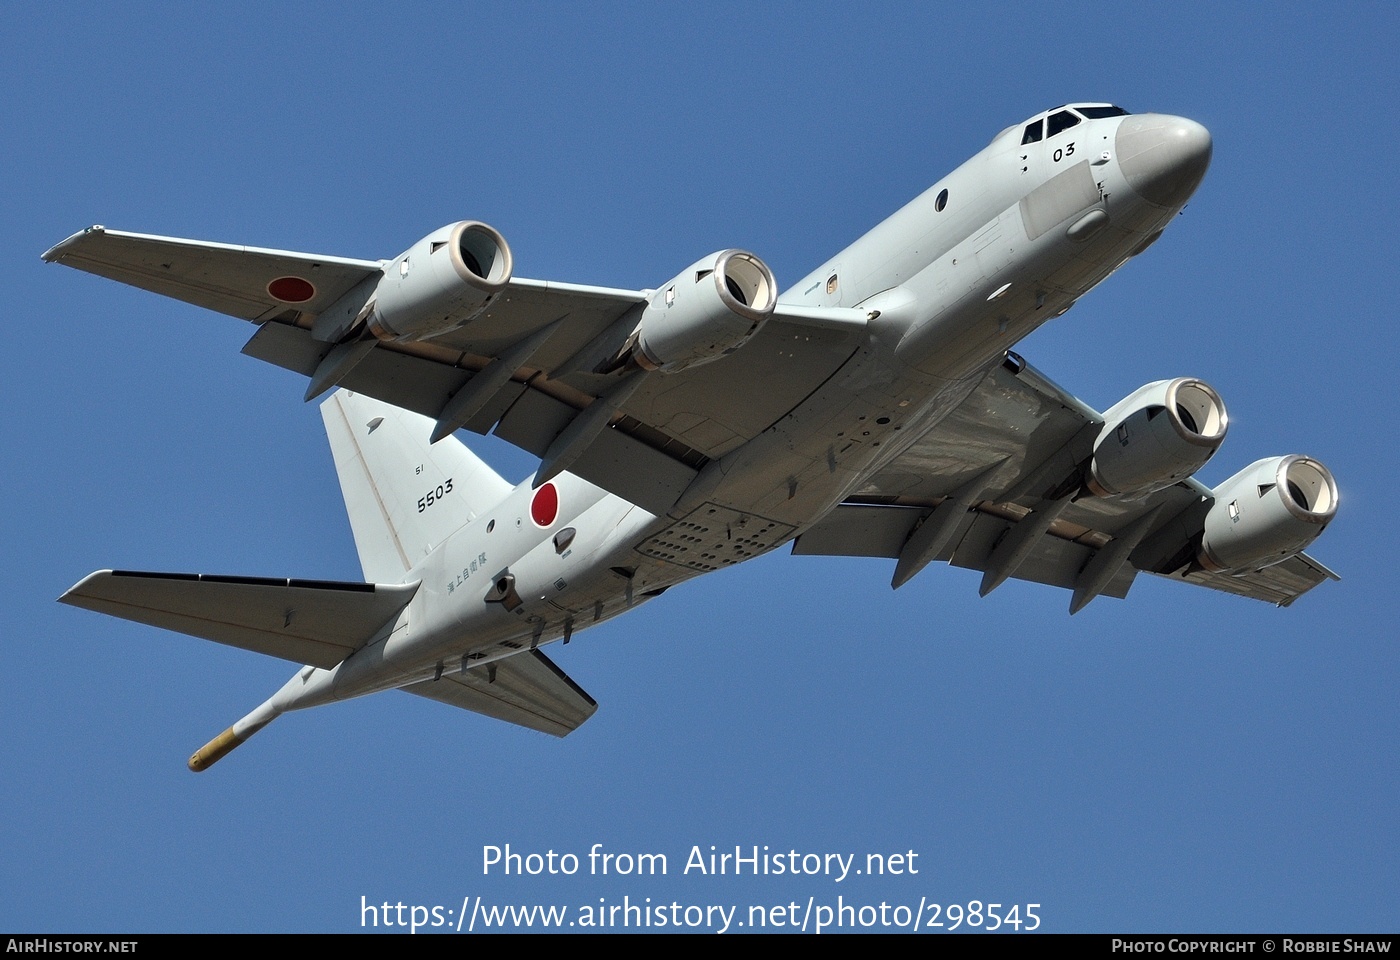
(1159, 434)
(440, 283)
(710, 309)
(1266, 513)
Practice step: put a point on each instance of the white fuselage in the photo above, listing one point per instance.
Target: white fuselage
(1005, 242)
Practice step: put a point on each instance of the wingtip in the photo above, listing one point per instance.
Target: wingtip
(55, 252)
(75, 594)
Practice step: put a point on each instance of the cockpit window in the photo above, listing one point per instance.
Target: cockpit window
(1033, 132)
(1059, 122)
(1098, 113)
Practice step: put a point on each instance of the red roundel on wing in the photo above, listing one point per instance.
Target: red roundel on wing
(544, 508)
(291, 289)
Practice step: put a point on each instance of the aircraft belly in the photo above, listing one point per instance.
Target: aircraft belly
(767, 491)
(713, 536)
(878, 403)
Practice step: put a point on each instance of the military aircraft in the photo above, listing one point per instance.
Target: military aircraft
(875, 409)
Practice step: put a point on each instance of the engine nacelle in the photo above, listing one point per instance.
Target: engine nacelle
(1266, 513)
(709, 310)
(1156, 436)
(441, 282)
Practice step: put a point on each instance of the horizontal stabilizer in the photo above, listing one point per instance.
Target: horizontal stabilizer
(525, 689)
(319, 622)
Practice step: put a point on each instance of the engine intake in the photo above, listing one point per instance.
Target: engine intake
(1266, 513)
(441, 282)
(1158, 435)
(708, 310)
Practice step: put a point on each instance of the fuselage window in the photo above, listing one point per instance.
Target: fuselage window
(1059, 122)
(941, 202)
(1033, 132)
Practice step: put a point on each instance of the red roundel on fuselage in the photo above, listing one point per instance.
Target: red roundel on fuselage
(544, 508)
(291, 289)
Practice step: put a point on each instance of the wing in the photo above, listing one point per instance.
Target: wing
(995, 487)
(239, 281)
(525, 689)
(305, 621)
(525, 367)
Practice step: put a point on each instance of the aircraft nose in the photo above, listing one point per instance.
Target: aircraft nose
(1163, 157)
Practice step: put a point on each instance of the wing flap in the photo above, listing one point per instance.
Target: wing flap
(306, 621)
(861, 530)
(1053, 561)
(1279, 584)
(526, 689)
(397, 378)
(224, 277)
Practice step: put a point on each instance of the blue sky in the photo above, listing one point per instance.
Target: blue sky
(1174, 761)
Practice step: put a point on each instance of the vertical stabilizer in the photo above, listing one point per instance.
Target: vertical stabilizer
(403, 494)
